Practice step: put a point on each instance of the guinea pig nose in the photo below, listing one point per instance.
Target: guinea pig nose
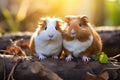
(51, 36)
(73, 33)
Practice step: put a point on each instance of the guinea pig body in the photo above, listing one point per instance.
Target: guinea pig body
(79, 38)
(47, 39)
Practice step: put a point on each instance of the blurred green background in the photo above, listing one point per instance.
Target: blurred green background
(23, 15)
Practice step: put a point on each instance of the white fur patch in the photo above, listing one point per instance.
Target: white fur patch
(50, 22)
(44, 45)
(76, 47)
(73, 33)
(48, 47)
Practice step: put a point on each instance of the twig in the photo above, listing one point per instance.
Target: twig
(4, 67)
(4, 51)
(116, 56)
(12, 71)
(113, 58)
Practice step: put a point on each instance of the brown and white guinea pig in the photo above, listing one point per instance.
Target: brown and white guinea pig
(79, 38)
(47, 39)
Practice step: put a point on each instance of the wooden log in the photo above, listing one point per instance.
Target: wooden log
(110, 38)
(34, 69)
(25, 69)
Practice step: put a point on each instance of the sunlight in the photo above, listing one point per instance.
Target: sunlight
(23, 9)
(112, 0)
(55, 8)
(26, 13)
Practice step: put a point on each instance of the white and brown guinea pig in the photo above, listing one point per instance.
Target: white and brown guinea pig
(79, 38)
(47, 39)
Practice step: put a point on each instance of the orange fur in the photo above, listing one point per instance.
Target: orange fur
(59, 23)
(32, 43)
(32, 46)
(96, 45)
(42, 25)
(82, 30)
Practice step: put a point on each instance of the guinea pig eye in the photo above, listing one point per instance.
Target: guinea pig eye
(45, 28)
(56, 28)
(80, 24)
(68, 24)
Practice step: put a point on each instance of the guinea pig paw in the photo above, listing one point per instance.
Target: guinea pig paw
(85, 58)
(55, 57)
(41, 57)
(69, 58)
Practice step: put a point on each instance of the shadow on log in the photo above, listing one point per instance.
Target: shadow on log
(33, 69)
(110, 38)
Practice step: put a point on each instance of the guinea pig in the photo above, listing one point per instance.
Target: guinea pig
(79, 38)
(47, 39)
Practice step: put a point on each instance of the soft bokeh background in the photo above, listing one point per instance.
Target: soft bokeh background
(23, 15)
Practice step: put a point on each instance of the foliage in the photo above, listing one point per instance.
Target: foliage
(112, 12)
(19, 15)
(103, 58)
(13, 24)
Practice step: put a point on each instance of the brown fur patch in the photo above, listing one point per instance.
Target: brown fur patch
(96, 45)
(32, 46)
(42, 25)
(83, 31)
(58, 26)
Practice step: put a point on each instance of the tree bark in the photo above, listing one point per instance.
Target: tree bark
(49, 69)
(24, 69)
(110, 38)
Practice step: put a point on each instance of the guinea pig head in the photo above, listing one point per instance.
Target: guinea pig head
(50, 28)
(76, 27)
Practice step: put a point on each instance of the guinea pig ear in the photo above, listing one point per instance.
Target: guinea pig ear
(41, 21)
(41, 25)
(84, 20)
(67, 19)
(59, 24)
